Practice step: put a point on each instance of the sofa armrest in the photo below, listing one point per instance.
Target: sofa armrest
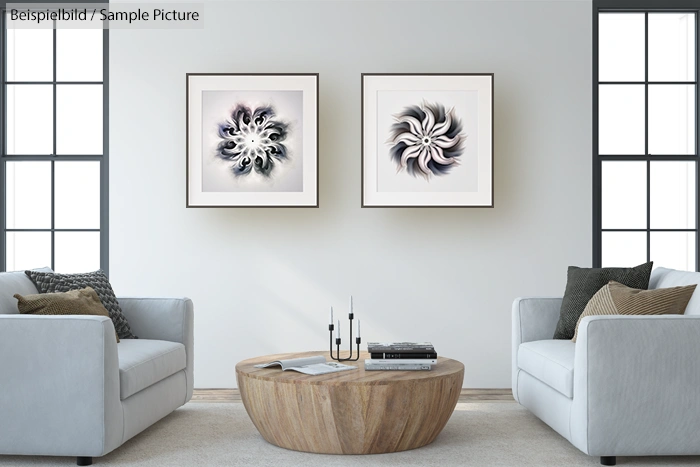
(167, 319)
(533, 319)
(637, 385)
(59, 386)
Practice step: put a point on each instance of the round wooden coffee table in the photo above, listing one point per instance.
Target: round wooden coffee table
(351, 412)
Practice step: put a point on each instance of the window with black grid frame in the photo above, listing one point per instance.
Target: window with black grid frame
(53, 167)
(645, 145)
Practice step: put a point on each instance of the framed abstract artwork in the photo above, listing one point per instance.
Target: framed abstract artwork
(252, 140)
(427, 140)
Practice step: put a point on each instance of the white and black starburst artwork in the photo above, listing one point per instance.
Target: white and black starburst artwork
(252, 139)
(426, 140)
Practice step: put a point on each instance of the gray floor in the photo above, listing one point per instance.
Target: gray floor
(478, 434)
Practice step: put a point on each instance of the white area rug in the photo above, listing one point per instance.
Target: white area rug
(478, 434)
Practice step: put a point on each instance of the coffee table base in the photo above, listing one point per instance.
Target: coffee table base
(351, 418)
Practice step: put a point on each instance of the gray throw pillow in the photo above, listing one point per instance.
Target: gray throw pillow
(48, 282)
(583, 283)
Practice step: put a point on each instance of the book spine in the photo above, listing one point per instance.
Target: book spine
(400, 355)
(401, 349)
(397, 367)
(406, 361)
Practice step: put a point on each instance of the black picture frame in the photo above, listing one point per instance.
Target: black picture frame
(311, 103)
(365, 113)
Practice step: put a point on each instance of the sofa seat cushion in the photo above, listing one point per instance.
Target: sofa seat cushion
(144, 362)
(550, 361)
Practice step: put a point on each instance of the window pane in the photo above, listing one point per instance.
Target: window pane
(29, 54)
(671, 119)
(621, 47)
(30, 119)
(671, 47)
(672, 195)
(79, 119)
(79, 54)
(624, 195)
(675, 250)
(28, 250)
(77, 252)
(624, 249)
(621, 119)
(77, 194)
(28, 186)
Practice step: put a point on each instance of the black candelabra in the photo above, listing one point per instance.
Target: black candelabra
(331, 328)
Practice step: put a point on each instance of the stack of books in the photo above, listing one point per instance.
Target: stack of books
(400, 356)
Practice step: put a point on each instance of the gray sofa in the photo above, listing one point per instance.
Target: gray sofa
(629, 386)
(68, 389)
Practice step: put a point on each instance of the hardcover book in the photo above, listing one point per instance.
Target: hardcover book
(371, 365)
(402, 355)
(400, 347)
(403, 361)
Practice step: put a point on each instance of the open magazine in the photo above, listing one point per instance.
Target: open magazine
(309, 365)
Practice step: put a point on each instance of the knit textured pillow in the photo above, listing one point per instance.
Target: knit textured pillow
(617, 299)
(76, 302)
(48, 282)
(583, 283)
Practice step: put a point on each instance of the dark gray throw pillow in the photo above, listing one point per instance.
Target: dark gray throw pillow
(583, 283)
(50, 282)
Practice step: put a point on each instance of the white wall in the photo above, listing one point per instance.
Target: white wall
(262, 279)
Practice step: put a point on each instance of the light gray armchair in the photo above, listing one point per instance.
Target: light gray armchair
(629, 386)
(68, 389)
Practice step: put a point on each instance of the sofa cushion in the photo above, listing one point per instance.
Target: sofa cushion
(12, 283)
(53, 282)
(144, 362)
(76, 302)
(617, 299)
(583, 283)
(663, 277)
(550, 361)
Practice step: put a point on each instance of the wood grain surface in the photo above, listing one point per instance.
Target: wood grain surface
(352, 412)
(466, 396)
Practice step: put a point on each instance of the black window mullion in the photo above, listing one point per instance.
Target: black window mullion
(697, 144)
(648, 210)
(53, 230)
(645, 81)
(67, 82)
(54, 109)
(597, 161)
(53, 164)
(644, 230)
(104, 161)
(3, 143)
(53, 213)
(646, 129)
(651, 157)
(59, 157)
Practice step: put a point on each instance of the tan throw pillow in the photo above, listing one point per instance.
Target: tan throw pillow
(76, 302)
(618, 299)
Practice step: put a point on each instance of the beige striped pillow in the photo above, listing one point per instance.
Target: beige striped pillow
(618, 299)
